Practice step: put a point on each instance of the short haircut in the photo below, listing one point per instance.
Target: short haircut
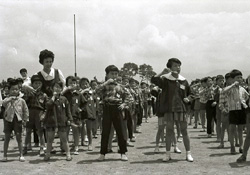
(9, 79)
(58, 83)
(235, 73)
(35, 78)
(72, 78)
(93, 81)
(131, 80)
(19, 80)
(219, 77)
(111, 68)
(125, 78)
(203, 80)
(83, 79)
(46, 54)
(227, 76)
(171, 61)
(12, 82)
(206, 79)
(23, 70)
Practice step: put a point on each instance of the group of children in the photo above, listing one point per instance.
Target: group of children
(119, 104)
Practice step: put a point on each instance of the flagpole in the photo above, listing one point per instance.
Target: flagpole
(75, 43)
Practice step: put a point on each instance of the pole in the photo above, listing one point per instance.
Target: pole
(75, 43)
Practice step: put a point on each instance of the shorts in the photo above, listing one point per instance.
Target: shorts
(60, 129)
(34, 119)
(175, 116)
(197, 104)
(225, 118)
(162, 121)
(15, 126)
(237, 117)
(202, 106)
(77, 121)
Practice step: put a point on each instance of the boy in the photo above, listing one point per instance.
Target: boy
(203, 102)
(237, 97)
(16, 114)
(145, 96)
(77, 103)
(37, 106)
(174, 98)
(58, 117)
(115, 99)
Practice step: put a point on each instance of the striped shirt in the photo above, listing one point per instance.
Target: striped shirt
(237, 96)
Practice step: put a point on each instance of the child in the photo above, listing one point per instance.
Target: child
(77, 103)
(220, 84)
(237, 97)
(145, 96)
(37, 106)
(173, 103)
(203, 102)
(243, 157)
(58, 116)
(90, 115)
(16, 114)
(223, 106)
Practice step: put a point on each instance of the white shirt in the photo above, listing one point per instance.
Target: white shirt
(51, 75)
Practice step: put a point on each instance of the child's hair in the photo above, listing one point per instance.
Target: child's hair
(206, 79)
(46, 54)
(171, 61)
(219, 77)
(58, 83)
(72, 78)
(143, 82)
(9, 79)
(131, 80)
(227, 76)
(235, 73)
(93, 81)
(203, 80)
(23, 70)
(19, 80)
(35, 78)
(83, 79)
(111, 68)
(11, 83)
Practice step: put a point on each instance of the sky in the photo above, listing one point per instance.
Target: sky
(210, 37)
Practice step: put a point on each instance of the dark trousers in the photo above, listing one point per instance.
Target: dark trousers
(129, 123)
(139, 114)
(112, 115)
(211, 115)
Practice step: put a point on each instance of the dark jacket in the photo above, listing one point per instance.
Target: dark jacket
(58, 112)
(168, 84)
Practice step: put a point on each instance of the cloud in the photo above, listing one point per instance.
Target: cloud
(205, 35)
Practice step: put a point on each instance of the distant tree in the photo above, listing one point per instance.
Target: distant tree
(146, 72)
(129, 70)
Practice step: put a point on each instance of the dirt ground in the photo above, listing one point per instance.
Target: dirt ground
(142, 159)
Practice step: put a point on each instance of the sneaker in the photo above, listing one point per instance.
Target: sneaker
(25, 150)
(177, 150)
(4, 159)
(42, 153)
(95, 137)
(220, 146)
(90, 148)
(209, 135)
(21, 159)
(124, 157)
(162, 145)
(233, 150)
(133, 139)
(86, 139)
(179, 140)
(76, 152)
(189, 157)
(146, 121)
(69, 158)
(101, 157)
(114, 140)
(129, 144)
(241, 150)
(195, 127)
(167, 157)
(241, 159)
(157, 150)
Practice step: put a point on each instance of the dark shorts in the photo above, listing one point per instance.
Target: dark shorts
(202, 106)
(15, 126)
(34, 119)
(237, 117)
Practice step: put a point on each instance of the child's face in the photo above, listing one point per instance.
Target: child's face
(72, 83)
(132, 84)
(209, 82)
(47, 63)
(125, 82)
(84, 85)
(93, 85)
(112, 75)
(57, 88)
(24, 74)
(37, 84)
(220, 82)
(14, 90)
(238, 78)
(143, 86)
(176, 67)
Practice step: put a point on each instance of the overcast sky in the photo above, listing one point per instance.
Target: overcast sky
(209, 37)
